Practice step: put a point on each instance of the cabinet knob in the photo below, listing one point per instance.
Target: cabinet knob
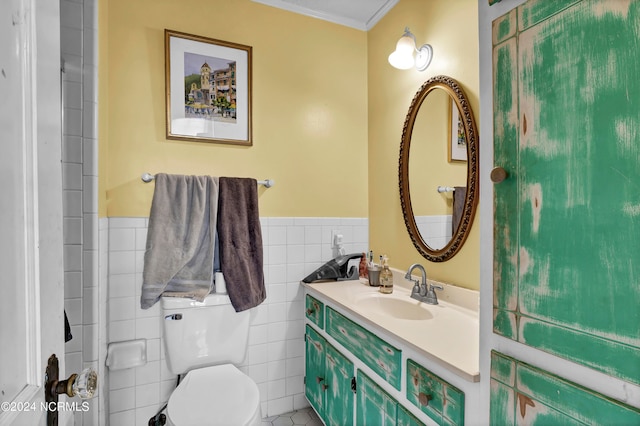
(325, 387)
(498, 174)
(310, 311)
(319, 379)
(424, 399)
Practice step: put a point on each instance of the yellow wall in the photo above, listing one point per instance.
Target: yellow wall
(309, 107)
(451, 27)
(328, 111)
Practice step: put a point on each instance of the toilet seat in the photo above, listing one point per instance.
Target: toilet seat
(217, 395)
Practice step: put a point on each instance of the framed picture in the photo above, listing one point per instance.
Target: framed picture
(208, 89)
(457, 138)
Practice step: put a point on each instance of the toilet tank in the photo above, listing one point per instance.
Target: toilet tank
(201, 334)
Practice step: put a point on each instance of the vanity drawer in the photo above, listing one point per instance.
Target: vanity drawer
(380, 356)
(314, 310)
(438, 399)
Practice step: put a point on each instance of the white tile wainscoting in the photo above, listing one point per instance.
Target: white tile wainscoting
(293, 248)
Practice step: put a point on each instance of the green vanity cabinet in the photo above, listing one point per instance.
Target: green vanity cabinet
(328, 377)
(314, 311)
(377, 354)
(376, 407)
(566, 224)
(441, 401)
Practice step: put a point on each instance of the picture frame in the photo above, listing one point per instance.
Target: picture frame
(457, 138)
(208, 89)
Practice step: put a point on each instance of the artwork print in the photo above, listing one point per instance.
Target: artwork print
(208, 86)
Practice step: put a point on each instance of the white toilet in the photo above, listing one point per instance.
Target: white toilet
(205, 340)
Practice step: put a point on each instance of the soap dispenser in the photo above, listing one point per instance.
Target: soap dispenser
(386, 277)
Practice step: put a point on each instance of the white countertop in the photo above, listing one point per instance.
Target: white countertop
(449, 337)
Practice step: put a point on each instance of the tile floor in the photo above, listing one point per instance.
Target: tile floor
(305, 416)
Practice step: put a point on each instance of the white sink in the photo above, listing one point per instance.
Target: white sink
(396, 306)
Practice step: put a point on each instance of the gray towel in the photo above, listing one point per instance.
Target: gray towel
(240, 238)
(178, 260)
(459, 197)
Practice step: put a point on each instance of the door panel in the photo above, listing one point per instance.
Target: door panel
(338, 396)
(31, 307)
(567, 219)
(315, 369)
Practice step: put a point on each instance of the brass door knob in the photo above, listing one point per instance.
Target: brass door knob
(498, 174)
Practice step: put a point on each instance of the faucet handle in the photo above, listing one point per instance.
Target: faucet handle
(436, 286)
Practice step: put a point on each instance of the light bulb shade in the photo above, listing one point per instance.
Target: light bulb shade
(400, 60)
(406, 45)
(402, 57)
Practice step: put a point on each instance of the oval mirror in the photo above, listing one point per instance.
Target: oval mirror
(439, 169)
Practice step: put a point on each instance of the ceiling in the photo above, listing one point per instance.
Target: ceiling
(359, 14)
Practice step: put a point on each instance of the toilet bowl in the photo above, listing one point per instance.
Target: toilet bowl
(219, 395)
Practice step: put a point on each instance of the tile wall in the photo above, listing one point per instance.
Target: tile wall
(293, 248)
(78, 32)
(435, 229)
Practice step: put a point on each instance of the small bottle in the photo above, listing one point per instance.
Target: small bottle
(386, 277)
(363, 273)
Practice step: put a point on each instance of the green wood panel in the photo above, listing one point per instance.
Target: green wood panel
(504, 27)
(314, 310)
(574, 191)
(538, 397)
(502, 404)
(405, 418)
(533, 12)
(339, 397)
(374, 407)
(505, 140)
(446, 402)
(380, 356)
(315, 369)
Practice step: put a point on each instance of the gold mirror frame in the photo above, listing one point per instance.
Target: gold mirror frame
(457, 95)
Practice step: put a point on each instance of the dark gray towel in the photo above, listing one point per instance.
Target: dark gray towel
(178, 260)
(459, 196)
(240, 238)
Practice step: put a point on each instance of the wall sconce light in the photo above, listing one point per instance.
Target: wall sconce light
(402, 57)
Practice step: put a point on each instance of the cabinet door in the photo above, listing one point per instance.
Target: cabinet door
(374, 407)
(405, 418)
(315, 369)
(338, 394)
(567, 218)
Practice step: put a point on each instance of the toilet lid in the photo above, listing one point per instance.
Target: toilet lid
(218, 395)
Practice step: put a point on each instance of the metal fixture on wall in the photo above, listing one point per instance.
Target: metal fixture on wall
(402, 58)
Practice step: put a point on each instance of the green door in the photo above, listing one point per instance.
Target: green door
(338, 394)
(567, 218)
(374, 407)
(315, 369)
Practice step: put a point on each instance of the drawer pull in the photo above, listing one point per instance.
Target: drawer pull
(310, 311)
(424, 399)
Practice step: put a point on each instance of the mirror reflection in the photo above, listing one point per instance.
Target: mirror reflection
(438, 169)
(438, 183)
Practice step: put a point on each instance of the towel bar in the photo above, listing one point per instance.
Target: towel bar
(268, 183)
(440, 188)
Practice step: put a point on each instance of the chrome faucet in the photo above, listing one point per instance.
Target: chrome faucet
(422, 291)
